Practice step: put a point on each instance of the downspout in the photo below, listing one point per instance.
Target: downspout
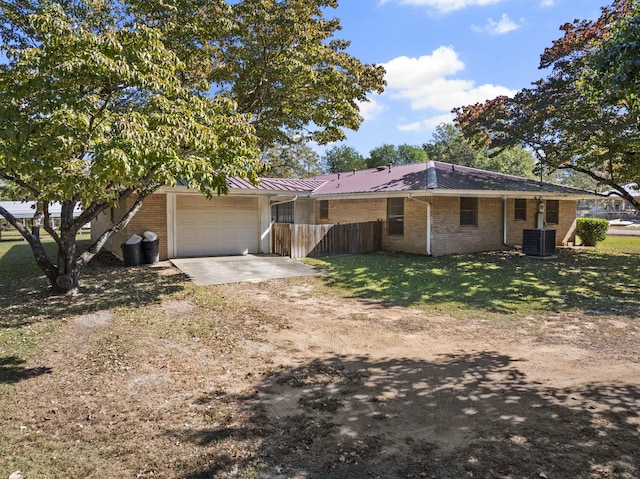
(428, 205)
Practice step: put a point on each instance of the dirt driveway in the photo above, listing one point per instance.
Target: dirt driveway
(300, 382)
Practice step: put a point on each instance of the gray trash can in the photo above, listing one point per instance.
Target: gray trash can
(151, 251)
(132, 254)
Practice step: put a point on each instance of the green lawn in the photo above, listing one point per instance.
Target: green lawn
(602, 280)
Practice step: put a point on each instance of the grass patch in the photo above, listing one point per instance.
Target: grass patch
(30, 314)
(602, 280)
(620, 244)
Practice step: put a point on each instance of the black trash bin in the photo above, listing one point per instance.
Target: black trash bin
(151, 251)
(132, 254)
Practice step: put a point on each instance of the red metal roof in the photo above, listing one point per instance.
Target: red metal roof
(432, 176)
(275, 184)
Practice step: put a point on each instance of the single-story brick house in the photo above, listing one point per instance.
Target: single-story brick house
(431, 208)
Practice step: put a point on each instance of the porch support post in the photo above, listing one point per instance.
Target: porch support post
(264, 208)
(504, 220)
(429, 228)
(171, 225)
(428, 205)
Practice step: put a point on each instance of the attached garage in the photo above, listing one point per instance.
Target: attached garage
(189, 225)
(220, 226)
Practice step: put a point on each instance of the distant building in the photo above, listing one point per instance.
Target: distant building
(24, 210)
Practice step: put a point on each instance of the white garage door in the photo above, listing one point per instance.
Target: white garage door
(220, 226)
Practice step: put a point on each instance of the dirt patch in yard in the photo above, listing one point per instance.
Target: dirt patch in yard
(286, 379)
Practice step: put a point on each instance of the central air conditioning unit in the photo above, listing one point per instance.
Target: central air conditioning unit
(539, 242)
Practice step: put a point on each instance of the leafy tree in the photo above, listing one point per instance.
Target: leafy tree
(511, 161)
(291, 160)
(589, 127)
(8, 191)
(105, 100)
(382, 155)
(613, 66)
(283, 66)
(342, 158)
(449, 145)
(408, 154)
(397, 155)
(93, 110)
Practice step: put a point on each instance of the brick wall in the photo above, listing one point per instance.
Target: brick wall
(375, 209)
(151, 217)
(447, 235)
(567, 215)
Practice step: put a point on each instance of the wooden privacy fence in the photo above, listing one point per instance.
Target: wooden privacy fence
(301, 241)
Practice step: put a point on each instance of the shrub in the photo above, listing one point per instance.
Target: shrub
(591, 230)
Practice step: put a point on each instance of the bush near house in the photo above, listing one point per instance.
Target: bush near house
(591, 230)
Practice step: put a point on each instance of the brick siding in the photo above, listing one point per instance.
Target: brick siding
(151, 217)
(447, 235)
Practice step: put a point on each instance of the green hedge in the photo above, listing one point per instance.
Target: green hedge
(591, 230)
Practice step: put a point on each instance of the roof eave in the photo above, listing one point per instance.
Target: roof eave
(237, 191)
(458, 193)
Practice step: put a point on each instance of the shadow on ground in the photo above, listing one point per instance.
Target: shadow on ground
(464, 415)
(500, 282)
(104, 283)
(12, 370)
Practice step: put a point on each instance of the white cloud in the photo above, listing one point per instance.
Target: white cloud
(423, 82)
(407, 73)
(426, 83)
(500, 27)
(427, 124)
(370, 110)
(547, 3)
(446, 6)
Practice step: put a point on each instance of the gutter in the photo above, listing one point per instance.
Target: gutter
(428, 205)
(291, 200)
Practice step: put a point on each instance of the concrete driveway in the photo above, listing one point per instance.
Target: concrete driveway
(237, 269)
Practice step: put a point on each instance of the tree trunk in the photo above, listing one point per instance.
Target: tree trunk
(65, 279)
(68, 270)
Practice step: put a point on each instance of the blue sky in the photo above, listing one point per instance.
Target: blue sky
(440, 54)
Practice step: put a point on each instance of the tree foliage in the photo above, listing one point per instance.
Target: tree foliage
(294, 159)
(396, 155)
(339, 159)
(284, 67)
(576, 118)
(450, 146)
(613, 67)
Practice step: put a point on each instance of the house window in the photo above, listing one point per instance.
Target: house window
(395, 216)
(282, 213)
(553, 212)
(521, 210)
(324, 209)
(468, 211)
